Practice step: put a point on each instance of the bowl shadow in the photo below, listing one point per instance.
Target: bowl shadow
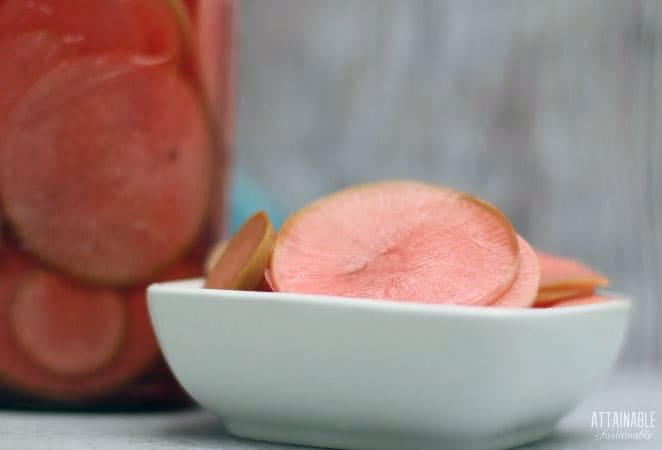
(208, 431)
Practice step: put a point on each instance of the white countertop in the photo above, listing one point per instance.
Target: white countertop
(196, 429)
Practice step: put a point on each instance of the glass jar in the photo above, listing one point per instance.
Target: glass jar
(116, 124)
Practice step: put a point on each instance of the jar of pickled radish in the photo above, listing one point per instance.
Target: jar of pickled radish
(115, 136)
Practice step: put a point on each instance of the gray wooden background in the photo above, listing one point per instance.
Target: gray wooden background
(549, 109)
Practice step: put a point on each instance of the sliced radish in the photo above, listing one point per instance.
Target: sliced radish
(264, 286)
(215, 25)
(523, 292)
(268, 280)
(241, 265)
(208, 30)
(398, 241)
(21, 372)
(581, 300)
(25, 57)
(214, 255)
(554, 295)
(105, 169)
(192, 7)
(143, 29)
(67, 328)
(567, 274)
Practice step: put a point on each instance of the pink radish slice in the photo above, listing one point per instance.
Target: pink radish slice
(25, 57)
(105, 169)
(67, 328)
(268, 279)
(523, 292)
(245, 256)
(403, 241)
(144, 30)
(567, 274)
(20, 372)
(264, 286)
(214, 255)
(582, 300)
(553, 295)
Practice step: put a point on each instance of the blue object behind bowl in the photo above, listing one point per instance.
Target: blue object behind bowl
(249, 197)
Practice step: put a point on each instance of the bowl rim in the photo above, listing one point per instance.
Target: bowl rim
(193, 286)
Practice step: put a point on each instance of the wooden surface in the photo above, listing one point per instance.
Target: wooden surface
(549, 109)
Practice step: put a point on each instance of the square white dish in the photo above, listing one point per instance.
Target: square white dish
(365, 374)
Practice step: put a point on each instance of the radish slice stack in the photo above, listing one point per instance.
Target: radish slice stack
(109, 167)
(401, 241)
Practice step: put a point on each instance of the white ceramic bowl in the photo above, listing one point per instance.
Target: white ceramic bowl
(365, 374)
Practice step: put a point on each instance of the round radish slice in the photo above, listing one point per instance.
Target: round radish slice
(14, 265)
(554, 295)
(581, 300)
(24, 58)
(557, 273)
(242, 262)
(523, 292)
(208, 33)
(215, 26)
(67, 328)
(264, 286)
(192, 7)
(143, 29)
(214, 255)
(268, 284)
(105, 169)
(398, 241)
(138, 351)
